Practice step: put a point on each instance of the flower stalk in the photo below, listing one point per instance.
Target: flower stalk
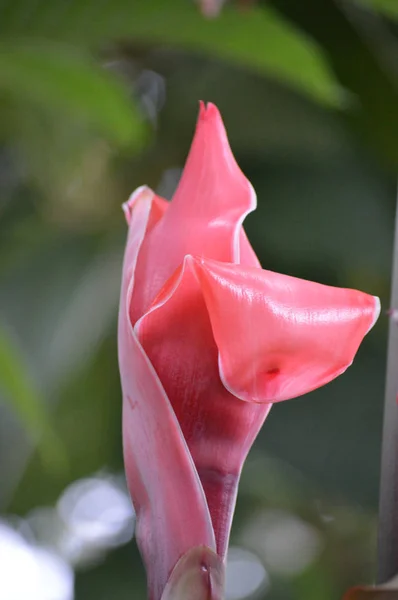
(388, 507)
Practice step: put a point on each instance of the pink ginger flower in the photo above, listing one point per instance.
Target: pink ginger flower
(208, 341)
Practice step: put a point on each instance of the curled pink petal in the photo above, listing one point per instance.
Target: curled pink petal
(289, 336)
(172, 513)
(219, 428)
(205, 216)
(212, 189)
(158, 207)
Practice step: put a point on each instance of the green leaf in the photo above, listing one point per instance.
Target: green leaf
(21, 393)
(53, 75)
(257, 39)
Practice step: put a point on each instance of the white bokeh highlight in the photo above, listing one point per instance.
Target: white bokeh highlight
(246, 576)
(31, 572)
(285, 543)
(98, 515)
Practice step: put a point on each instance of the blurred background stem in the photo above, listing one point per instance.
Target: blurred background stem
(388, 513)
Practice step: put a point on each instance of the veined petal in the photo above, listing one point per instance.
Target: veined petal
(172, 513)
(278, 336)
(205, 216)
(219, 428)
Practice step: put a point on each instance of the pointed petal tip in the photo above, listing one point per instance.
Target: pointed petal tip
(129, 204)
(376, 314)
(208, 111)
(202, 109)
(212, 111)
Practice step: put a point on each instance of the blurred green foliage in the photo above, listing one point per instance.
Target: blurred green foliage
(54, 77)
(97, 98)
(287, 54)
(20, 389)
(389, 7)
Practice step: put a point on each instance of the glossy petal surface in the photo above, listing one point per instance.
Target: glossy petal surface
(219, 428)
(278, 336)
(205, 216)
(172, 514)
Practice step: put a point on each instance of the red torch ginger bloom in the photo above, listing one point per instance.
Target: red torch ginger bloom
(207, 342)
